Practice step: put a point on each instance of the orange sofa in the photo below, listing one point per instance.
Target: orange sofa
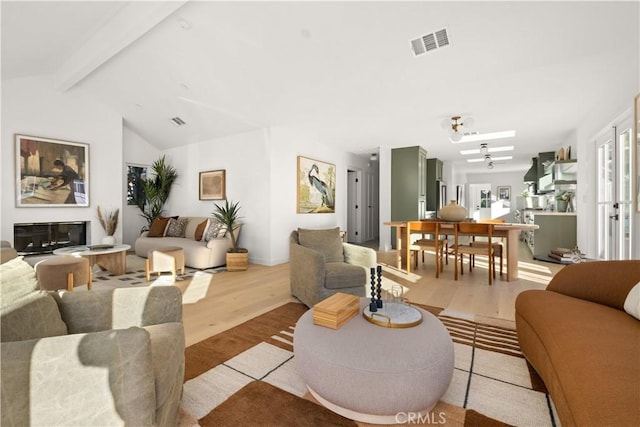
(583, 344)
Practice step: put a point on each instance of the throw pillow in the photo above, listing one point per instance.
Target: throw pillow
(213, 231)
(632, 303)
(200, 229)
(158, 226)
(176, 227)
(26, 312)
(328, 242)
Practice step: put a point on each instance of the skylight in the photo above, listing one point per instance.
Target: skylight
(493, 159)
(477, 137)
(490, 150)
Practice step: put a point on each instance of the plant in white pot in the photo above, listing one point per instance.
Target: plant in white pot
(228, 216)
(109, 222)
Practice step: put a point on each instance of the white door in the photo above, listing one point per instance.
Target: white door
(479, 201)
(615, 172)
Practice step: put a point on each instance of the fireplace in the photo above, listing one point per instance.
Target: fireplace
(45, 237)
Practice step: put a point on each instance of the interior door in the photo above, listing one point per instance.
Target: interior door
(353, 200)
(371, 218)
(480, 201)
(615, 173)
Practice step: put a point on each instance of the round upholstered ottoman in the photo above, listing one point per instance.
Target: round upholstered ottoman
(371, 373)
(163, 259)
(63, 272)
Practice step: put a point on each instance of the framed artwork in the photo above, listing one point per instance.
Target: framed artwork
(316, 186)
(136, 174)
(504, 192)
(51, 172)
(213, 185)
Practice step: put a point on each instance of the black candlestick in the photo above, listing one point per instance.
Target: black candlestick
(379, 287)
(373, 306)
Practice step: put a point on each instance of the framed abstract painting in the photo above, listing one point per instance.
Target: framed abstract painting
(213, 185)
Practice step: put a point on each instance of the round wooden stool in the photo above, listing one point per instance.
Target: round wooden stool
(63, 272)
(167, 258)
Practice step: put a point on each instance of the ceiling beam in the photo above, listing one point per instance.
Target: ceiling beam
(129, 24)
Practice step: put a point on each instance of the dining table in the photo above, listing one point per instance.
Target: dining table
(509, 231)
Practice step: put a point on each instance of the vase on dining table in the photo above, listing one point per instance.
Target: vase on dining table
(453, 212)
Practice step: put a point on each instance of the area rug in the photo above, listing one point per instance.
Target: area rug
(246, 376)
(135, 275)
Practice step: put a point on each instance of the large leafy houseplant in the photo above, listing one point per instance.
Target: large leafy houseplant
(228, 215)
(156, 190)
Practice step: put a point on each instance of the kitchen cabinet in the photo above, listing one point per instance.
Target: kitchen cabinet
(556, 230)
(408, 184)
(435, 187)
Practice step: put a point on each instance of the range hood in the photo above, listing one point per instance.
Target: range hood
(532, 173)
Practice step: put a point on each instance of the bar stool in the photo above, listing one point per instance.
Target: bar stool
(63, 272)
(167, 258)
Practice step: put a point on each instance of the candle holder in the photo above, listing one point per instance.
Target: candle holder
(373, 306)
(379, 287)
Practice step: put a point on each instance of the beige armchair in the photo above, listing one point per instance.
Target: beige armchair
(322, 265)
(105, 357)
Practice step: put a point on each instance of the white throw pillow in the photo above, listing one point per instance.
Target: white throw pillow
(632, 303)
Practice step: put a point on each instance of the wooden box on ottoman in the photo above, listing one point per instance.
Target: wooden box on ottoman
(336, 310)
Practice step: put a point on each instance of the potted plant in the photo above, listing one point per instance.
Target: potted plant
(156, 190)
(562, 201)
(228, 216)
(109, 222)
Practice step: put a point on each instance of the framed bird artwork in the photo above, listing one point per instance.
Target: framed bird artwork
(316, 186)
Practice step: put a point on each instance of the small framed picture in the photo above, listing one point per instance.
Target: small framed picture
(212, 185)
(504, 192)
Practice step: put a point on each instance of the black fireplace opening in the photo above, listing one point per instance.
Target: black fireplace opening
(45, 237)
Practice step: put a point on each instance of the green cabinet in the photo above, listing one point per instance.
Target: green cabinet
(556, 230)
(434, 178)
(408, 184)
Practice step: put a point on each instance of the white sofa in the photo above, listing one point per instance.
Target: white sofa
(197, 254)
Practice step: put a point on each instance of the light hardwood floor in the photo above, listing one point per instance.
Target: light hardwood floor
(216, 302)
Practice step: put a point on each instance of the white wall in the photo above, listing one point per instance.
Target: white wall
(261, 173)
(138, 152)
(31, 106)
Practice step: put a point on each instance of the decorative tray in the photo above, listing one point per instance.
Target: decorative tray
(394, 315)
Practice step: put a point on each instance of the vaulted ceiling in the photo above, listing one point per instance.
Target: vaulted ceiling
(341, 71)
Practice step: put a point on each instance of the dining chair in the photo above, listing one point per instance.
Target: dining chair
(424, 228)
(498, 247)
(473, 229)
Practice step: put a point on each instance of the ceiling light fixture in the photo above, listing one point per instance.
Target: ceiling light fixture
(373, 157)
(477, 137)
(490, 165)
(457, 126)
(484, 149)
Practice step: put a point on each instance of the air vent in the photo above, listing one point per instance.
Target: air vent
(178, 121)
(430, 42)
